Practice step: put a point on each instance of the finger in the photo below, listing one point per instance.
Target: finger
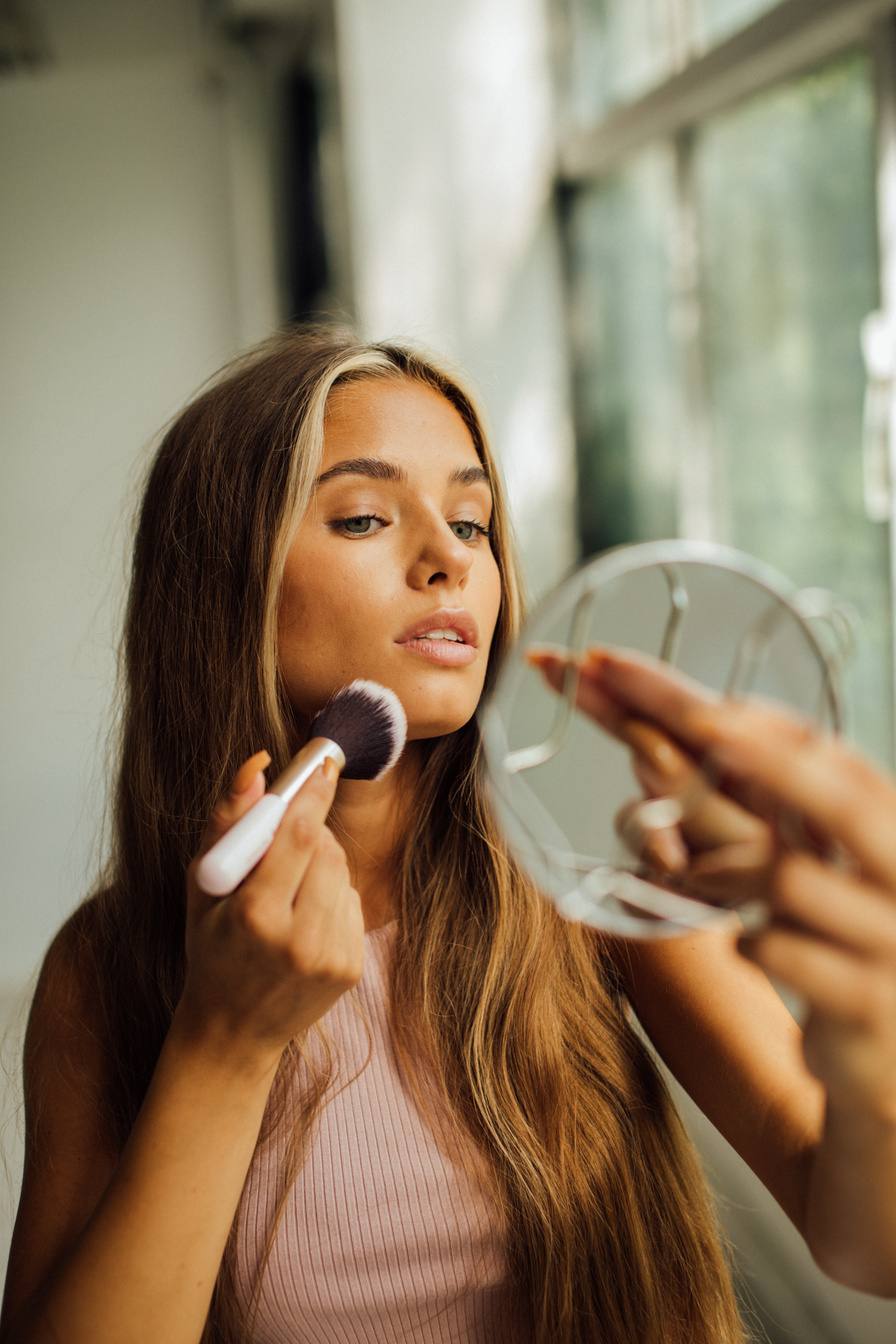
(695, 716)
(646, 687)
(609, 710)
(277, 878)
(664, 770)
(661, 847)
(665, 851)
(835, 789)
(327, 916)
(842, 798)
(709, 819)
(732, 874)
(835, 906)
(664, 766)
(326, 876)
(833, 981)
(322, 915)
(597, 705)
(720, 821)
(246, 789)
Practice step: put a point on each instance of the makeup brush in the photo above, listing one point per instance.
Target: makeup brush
(362, 728)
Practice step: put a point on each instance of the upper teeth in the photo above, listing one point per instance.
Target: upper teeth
(443, 634)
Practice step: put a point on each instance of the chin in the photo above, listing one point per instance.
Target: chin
(425, 732)
(435, 705)
(453, 714)
(443, 726)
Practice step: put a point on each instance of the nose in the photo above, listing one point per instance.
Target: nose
(441, 559)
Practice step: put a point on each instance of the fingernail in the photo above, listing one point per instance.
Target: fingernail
(248, 770)
(540, 654)
(596, 660)
(330, 769)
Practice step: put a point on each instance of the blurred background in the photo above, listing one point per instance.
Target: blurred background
(660, 235)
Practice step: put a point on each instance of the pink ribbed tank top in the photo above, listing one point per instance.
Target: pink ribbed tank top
(383, 1237)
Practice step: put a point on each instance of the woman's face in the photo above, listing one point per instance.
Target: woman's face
(391, 575)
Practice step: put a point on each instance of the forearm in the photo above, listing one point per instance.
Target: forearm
(143, 1270)
(851, 1204)
(732, 1045)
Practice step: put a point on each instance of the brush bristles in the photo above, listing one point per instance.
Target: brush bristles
(368, 722)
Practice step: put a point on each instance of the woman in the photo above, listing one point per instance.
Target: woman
(224, 1141)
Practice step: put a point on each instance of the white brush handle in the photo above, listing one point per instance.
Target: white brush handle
(223, 868)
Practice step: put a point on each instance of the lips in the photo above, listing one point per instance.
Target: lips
(448, 637)
(450, 625)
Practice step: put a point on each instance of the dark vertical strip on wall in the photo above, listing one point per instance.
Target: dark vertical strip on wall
(307, 271)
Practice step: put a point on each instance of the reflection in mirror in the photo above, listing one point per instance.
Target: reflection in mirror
(575, 794)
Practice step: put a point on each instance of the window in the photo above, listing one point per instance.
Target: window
(720, 184)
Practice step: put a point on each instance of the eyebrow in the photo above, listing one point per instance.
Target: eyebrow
(380, 470)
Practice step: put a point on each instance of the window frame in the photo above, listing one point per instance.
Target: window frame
(782, 43)
(785, 42)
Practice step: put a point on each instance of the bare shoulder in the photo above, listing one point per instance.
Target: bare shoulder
(65, 1051)
(68, 1157)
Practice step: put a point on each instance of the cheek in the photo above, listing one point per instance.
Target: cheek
(491, 596)
(331, 620)
(325, 588)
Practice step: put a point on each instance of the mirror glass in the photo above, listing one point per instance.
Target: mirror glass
(558, 781)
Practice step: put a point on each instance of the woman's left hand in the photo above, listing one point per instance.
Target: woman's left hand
(718, 849)
(831, 933)
(828, 818)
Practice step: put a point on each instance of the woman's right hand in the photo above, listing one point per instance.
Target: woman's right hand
(266, 962)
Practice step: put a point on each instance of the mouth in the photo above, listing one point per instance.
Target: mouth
(449, 636)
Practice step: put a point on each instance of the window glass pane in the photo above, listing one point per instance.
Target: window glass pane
(785, 192)
(719, 19)
(626, 408)
(617, 50)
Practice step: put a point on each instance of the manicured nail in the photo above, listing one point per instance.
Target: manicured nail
(248, 770)
(330, 769)
(540, 654)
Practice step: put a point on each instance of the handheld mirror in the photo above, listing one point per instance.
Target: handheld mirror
(558, 781)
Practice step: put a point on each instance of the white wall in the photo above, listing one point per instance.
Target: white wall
(119, 293)
(448, 128)
(129, 244)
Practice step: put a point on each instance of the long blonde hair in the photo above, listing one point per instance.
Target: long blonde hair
(515, 1015)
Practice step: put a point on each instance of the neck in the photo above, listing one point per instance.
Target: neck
(369, 819)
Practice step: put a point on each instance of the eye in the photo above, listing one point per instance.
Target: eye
(362, 525)
(466, 530)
